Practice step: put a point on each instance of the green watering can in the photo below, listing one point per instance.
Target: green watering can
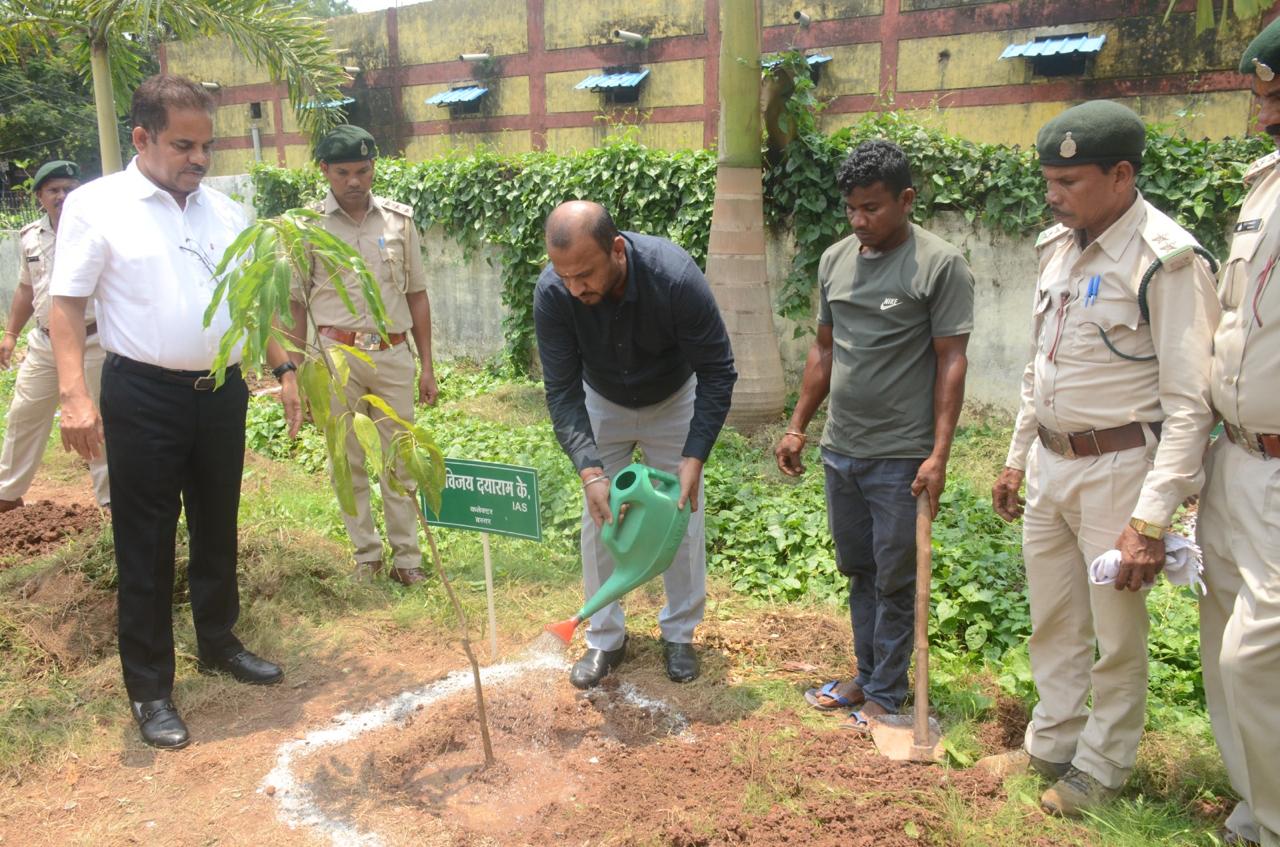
(643, 542)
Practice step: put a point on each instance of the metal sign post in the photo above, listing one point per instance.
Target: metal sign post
(488, 497)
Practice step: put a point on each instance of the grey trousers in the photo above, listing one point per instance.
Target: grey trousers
(659, 431)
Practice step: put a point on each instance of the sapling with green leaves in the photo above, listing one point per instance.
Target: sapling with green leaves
(255, 279)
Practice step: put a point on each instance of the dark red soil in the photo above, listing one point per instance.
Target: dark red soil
(593, 769)
(39, 527)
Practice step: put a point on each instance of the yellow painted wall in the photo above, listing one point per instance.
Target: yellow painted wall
(438, 31)
(237, 161)
(574, 23)
(685, 135)
(1142, 46)
(295, 155)
(668, 84)
(213, 60)
(429, 146)
(853, 69)
(507, 96)
(361, 40)
(782, 12)
(233, 121)
(970, 61)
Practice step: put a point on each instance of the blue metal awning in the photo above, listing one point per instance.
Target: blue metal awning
(815, 59)
(1055, 47)
(457, 95)
(599, 82)
(329, 104)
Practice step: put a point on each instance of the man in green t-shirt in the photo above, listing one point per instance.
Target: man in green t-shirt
(896, 309)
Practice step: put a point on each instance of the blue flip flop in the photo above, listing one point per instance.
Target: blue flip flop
(829, 691)
(857, 722)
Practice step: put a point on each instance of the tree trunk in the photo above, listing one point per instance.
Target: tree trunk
(736, 255)
(104, 101)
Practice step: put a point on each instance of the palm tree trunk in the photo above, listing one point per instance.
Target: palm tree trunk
(736, 254)
(105, 103)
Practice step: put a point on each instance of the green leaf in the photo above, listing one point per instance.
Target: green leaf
(367, 434)
(383, 406)
(336, 441)
(314, 384)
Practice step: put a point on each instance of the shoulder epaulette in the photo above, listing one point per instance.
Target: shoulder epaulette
(1052, 234)
(400, 208)
(1173, 245)
(1259, 167)
(34, 225)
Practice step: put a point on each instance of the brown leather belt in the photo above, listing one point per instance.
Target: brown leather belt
(89, 329)
(1265, 444)
(361, 340)
(1095, 442)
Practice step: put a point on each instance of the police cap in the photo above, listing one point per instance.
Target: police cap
(57, 169)
(1262, 57)
(1097, 132)
(346, 143)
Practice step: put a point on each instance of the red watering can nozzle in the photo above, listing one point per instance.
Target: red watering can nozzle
(564, 629)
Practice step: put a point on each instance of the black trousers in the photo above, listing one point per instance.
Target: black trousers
(170, 446)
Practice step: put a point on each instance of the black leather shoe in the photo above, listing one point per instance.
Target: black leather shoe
(245, 667)
(682, 662)
(160, 724)
(595, 666)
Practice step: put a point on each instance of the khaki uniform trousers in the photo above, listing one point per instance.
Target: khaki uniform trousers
(1239, 531)
(35, 399)
(659, 431)
(1076, 509)
(393, 377)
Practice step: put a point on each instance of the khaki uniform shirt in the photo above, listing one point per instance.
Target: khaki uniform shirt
(1246, 347)
(388, 242)
(1074, 383)
(36, 241)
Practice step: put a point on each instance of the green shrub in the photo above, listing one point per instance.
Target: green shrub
(503, 200)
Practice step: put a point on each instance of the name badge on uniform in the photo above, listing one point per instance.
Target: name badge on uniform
(1249, 226)
(33, 258)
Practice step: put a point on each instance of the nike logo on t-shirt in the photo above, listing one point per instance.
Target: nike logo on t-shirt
(889, 303)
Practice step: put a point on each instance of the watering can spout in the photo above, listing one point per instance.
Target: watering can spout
(642, 540)
(564, 629)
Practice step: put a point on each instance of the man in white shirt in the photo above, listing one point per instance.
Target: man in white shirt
(144, 244)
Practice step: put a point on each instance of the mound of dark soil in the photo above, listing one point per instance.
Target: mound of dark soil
(40, 527)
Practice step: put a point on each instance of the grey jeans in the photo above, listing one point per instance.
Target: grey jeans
(872, 516)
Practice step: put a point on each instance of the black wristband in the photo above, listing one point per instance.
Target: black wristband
(280, 371)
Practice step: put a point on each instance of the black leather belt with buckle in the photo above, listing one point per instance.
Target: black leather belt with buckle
(195, 380)
(1265, 444)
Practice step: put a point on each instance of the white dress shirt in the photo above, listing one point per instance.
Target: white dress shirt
(148, 264)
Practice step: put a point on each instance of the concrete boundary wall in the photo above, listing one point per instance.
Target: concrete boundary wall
(467, 311)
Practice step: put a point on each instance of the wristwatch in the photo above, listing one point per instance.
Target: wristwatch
(1150, 530)
(279, 371)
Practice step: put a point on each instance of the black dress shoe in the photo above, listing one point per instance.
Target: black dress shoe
(160, 724)
(245, 667)
(595, 666)
(682, 662)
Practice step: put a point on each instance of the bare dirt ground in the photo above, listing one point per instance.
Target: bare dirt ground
(639, 761)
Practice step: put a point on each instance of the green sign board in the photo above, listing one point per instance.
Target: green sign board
(489, 497)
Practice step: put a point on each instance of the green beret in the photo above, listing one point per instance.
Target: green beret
(57, 169)
(346, 143)
(1262, 56)
(1097, 132)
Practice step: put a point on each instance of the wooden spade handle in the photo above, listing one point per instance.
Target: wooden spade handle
(924, 575)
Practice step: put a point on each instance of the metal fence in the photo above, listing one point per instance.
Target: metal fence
(17, 209)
